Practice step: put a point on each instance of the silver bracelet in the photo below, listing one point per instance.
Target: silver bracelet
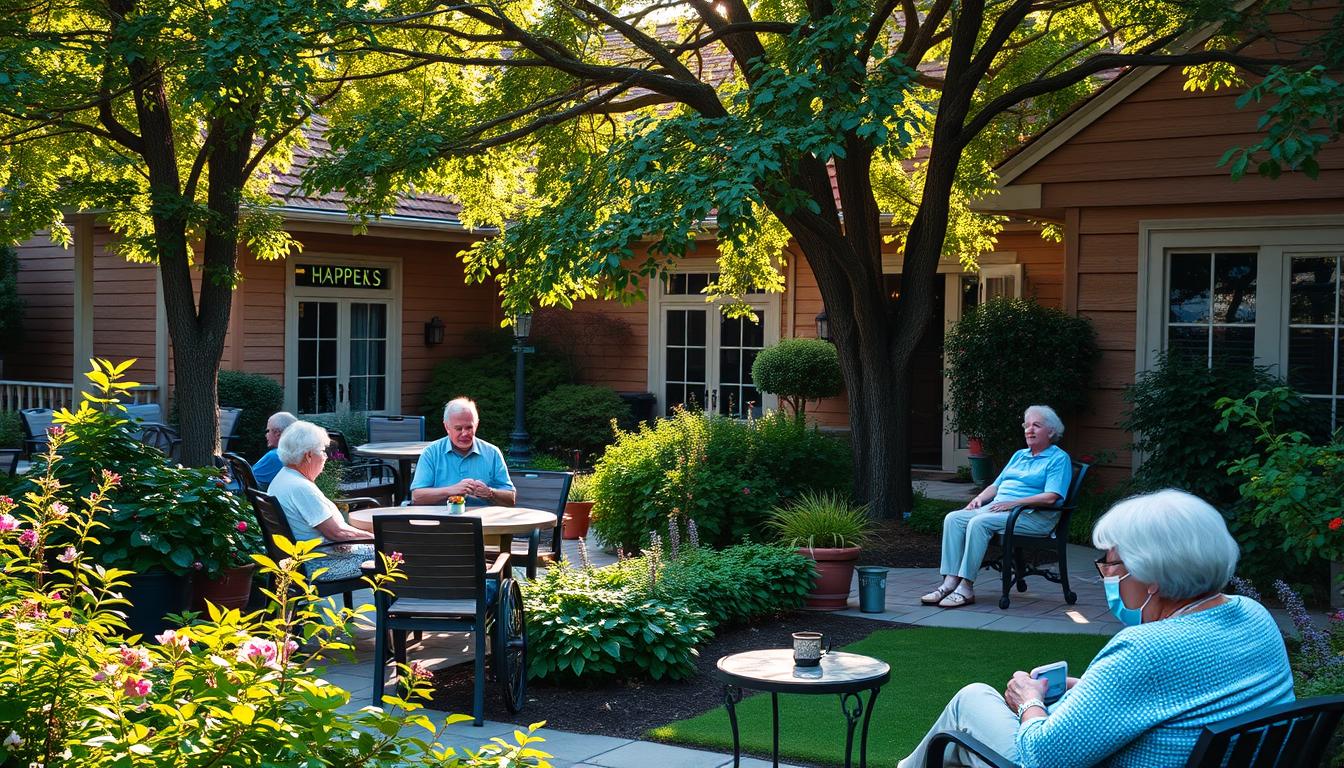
(1028, 704)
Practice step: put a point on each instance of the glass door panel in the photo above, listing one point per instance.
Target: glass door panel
(740, 340)
(368, 356)
(317, 356)
(685, 352)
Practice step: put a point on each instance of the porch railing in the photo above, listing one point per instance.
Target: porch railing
(18, 395)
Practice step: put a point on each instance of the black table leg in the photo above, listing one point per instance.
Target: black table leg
(732, 695)
(404, 480)
(774, 712)
(851, 706)
(863, 739)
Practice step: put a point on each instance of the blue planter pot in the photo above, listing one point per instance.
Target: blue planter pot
(982, 470)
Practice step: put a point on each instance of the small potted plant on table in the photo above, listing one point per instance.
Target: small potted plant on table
(830, 530)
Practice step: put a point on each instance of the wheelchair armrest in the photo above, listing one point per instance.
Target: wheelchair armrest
(938, 745)
(499, 570)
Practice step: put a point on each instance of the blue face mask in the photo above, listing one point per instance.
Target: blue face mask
(1130, 617)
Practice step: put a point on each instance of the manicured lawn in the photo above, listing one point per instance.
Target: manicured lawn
(928, 665)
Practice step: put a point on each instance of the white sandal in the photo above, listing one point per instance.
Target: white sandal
(956, 600)
(937, 595)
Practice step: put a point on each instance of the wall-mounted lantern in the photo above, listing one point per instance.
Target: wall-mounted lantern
(433, 331)
(823, 326)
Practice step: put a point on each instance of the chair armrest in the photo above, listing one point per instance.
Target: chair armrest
(1017, 511)
(330, 544)
(500, 568)
(357, 503)
(938, 745)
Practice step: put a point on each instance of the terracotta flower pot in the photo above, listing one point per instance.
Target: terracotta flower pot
(577, 514)
(835, 572)
(230, 589)
(975, 446)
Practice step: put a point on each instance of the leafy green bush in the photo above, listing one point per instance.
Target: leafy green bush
(1007, 354)
(259, 396)
(1292, 487)
(354, 425)
(160, 514)
(1174, 416)
(581, 487)
(927, 515)
(576, 417)
(821, 520)
(543, 462)
(798, 370)
(582, 630)
(234, 691)
(11, 429)
(723, 473)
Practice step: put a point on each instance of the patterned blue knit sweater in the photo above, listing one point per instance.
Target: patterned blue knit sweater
(1144, 699)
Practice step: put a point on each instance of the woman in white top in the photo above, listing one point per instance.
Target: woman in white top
(311, 515)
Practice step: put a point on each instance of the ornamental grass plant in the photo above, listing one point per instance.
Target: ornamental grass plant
(226, 690)
(822, 520)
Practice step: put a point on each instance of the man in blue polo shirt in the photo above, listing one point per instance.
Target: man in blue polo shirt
(462, 464)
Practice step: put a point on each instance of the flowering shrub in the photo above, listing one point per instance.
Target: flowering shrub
(1318, 658)
(236, 690)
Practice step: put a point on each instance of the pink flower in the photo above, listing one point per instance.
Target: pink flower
(8, 522)
(746, 491)
(420, 672)
(68, 556)
(198, 565)
(241, 526)
(396, 557)
(1336, 523)
(55, 430)
(172, 638)
(257, 651)
(28, 538)
(112, 478)
(136, 658)
(57, 595)
(136, 686)
(58, 510)
(337, 456)
(106, 672)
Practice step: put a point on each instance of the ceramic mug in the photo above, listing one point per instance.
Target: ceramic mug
(808, 648)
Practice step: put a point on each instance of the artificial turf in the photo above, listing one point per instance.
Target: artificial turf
(928, 665)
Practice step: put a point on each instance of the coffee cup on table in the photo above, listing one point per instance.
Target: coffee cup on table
(808, 648)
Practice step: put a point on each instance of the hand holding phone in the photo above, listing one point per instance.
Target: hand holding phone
(1056, 676)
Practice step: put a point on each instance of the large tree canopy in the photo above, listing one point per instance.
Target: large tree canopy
(167, 119)
(584, 127)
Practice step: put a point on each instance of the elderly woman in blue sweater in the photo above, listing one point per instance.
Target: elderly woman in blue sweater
(1188, 656)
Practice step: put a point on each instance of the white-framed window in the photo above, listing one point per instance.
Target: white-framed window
(698, 357)
(998, 280)
(1263, 291)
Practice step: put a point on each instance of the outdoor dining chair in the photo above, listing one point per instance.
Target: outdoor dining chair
(548, 491)
(241, 472)
(228, 426)
(161, 436)
(271, 518)
(9, 460)
(396, 429)
(447, 588)
(36, 421)
(1012, 562)
(1293, 735)
(362, 476)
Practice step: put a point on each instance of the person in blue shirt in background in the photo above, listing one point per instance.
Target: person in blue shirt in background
(269, 465)
(1037, 474)
(1188, 656)
(462, 464)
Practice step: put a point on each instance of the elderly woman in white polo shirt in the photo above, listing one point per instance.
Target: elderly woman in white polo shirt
(1037, 474)
(311, 515)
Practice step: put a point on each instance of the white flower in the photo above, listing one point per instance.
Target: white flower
(12, 740)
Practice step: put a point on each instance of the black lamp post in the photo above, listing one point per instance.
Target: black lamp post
(823, 326)
(520, 454)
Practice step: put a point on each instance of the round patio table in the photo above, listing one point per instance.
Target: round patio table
(500, 522)
(404, 453)
(844, 674)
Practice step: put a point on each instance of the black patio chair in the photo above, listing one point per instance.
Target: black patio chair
(1293, 735)
(271, 518)
(9, 460)
(228, 426)
(396, 429)
(1012, 562)
(241, 472)
(548, 491)
(362, 476)
(161, 436)
(36, 421)
(447, 589)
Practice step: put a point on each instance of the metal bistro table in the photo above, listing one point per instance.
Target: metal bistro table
(499, 522)
(404, 453)
(773, 670)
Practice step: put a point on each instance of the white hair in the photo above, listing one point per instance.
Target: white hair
(1052, 420)
(1173, 539)
(299, 440)
(460, 405)
(282, 420)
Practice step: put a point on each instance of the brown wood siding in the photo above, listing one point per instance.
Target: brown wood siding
(124, 299)
(46, 283)
(1043, 265)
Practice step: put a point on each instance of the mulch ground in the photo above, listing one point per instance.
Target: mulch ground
(893, 544)
(628, 709)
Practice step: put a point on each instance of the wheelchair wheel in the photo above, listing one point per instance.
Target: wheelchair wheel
(510, 646)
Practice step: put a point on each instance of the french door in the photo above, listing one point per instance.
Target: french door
(707, 361)
(342, 353)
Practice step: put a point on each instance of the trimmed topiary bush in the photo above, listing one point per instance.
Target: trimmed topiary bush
(725, 474)
(576, 417)
(1007, 354)
(259, 396)
(798, 370)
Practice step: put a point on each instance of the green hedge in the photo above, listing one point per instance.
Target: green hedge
(724, 473)
(575, 417)
(259, 396)
(11, 429)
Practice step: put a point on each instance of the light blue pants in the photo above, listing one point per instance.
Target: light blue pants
(966, 535)
(980, 711)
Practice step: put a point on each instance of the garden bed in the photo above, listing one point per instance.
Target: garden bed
(630, 709)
